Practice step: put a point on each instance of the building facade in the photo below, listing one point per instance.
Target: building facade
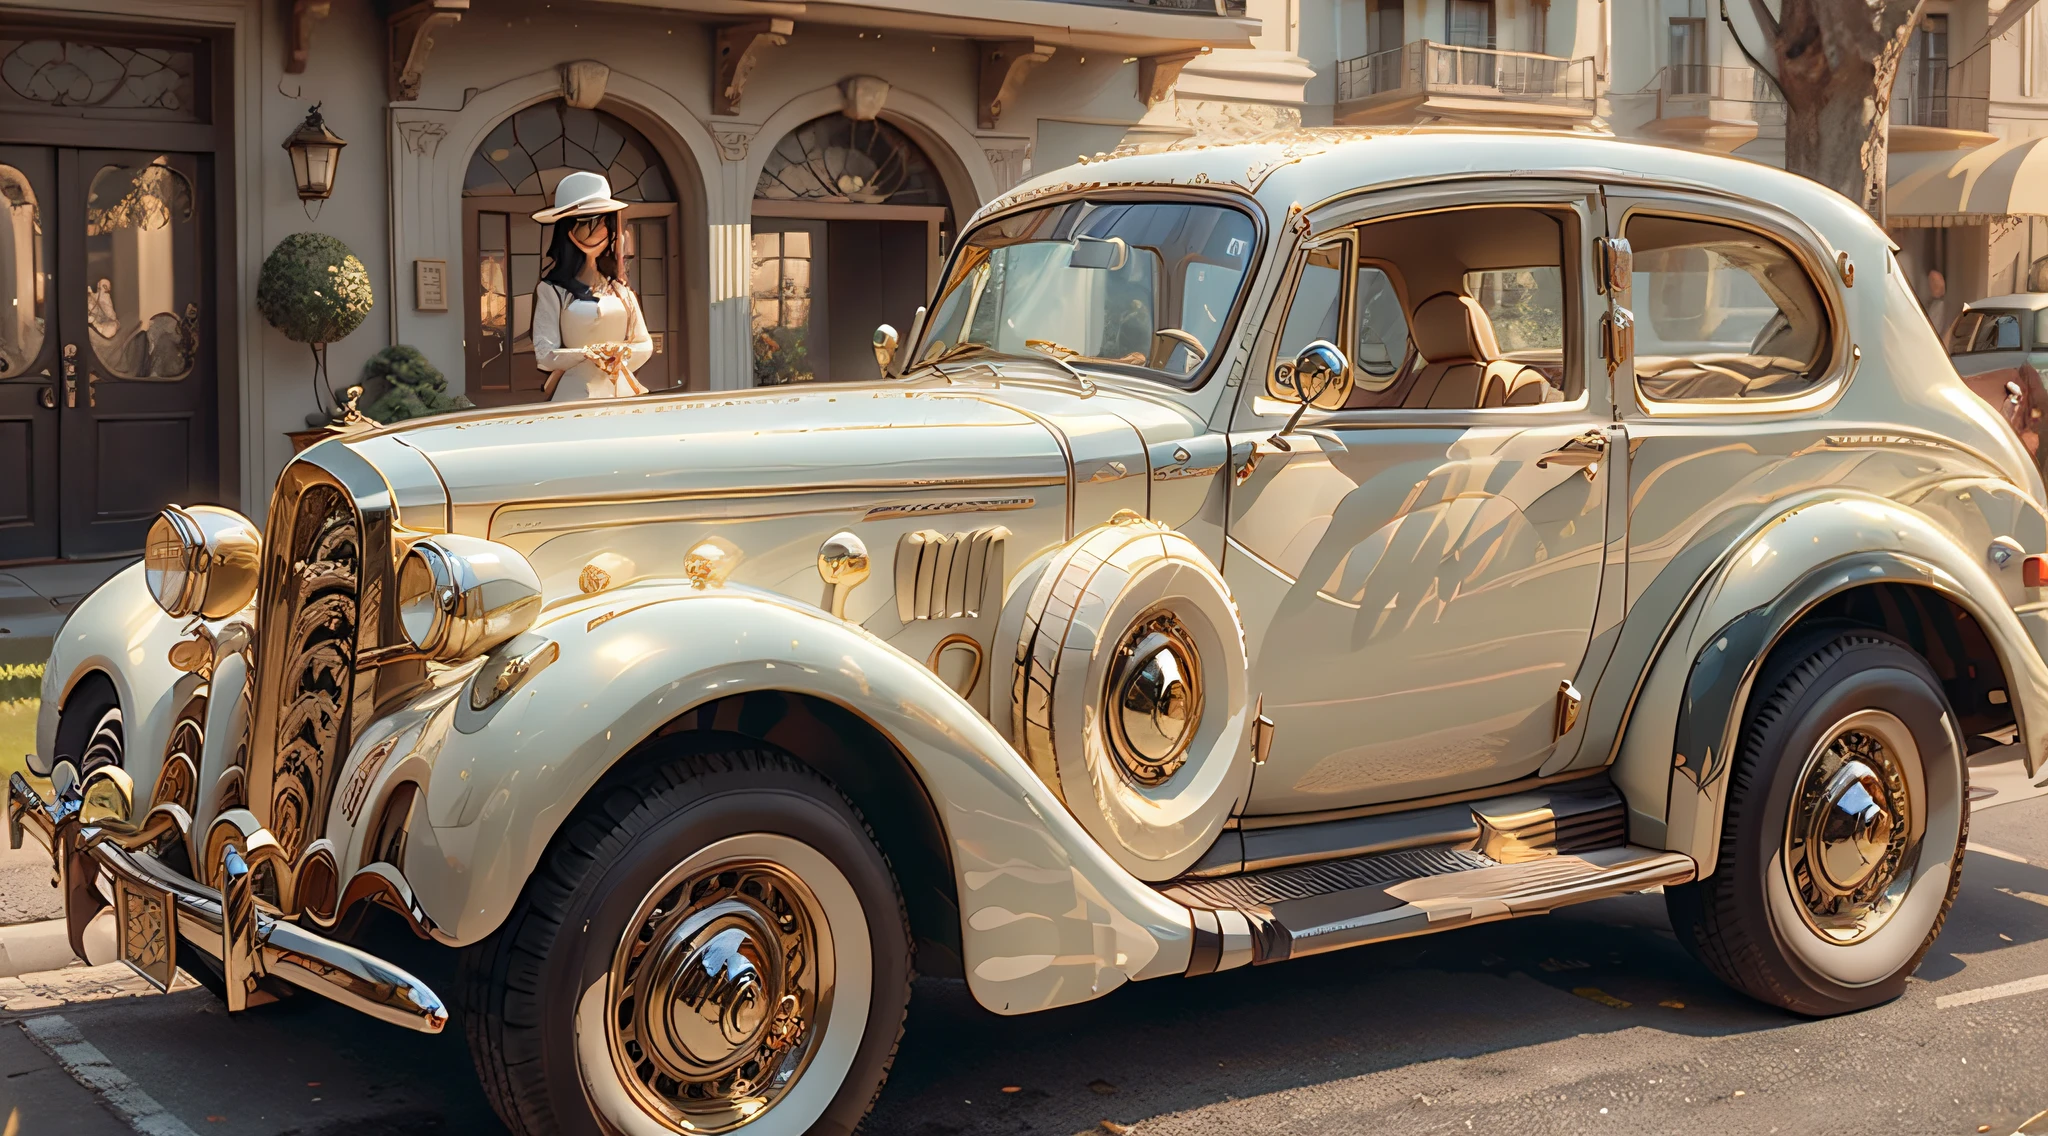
(794, 173)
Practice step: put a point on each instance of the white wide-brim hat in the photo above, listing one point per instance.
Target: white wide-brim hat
(580, 194)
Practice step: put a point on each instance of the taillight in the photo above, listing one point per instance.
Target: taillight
(2035, 571)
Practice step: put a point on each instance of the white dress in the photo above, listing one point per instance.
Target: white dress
(563, 326)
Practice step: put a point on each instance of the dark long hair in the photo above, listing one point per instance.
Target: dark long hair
(565, 261)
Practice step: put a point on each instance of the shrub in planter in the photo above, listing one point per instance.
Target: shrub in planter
(412, 387)
(315, 291)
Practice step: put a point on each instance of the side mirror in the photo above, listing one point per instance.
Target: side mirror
(1321, 376)
(885, 347)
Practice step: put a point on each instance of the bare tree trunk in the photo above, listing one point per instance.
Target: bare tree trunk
(1836, 63)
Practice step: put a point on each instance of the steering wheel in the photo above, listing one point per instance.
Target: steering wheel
(1185, 339)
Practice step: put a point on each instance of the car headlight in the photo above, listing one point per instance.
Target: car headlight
(460, 596)
(202, 560)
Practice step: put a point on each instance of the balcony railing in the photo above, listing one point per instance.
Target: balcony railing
(1950, 112)
(1424, 67)
(1714, 92)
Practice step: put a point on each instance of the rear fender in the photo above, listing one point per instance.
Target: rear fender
(1686, 725)
(1048, 917)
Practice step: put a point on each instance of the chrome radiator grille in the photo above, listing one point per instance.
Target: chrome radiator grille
(309, 638)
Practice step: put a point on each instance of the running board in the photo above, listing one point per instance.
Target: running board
(1287, 913)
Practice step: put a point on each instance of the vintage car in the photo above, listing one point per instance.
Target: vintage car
(1259, 549)
(1999, 345)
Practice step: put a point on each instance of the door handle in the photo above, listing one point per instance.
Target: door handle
(71, 374)
(49, 398)
(1585, 451)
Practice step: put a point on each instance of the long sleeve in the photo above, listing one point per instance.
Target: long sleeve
(548, 352)
(640, 345)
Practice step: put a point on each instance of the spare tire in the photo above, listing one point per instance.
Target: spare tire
(1129, 694)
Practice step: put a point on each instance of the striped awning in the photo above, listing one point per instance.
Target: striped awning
(1936, 188)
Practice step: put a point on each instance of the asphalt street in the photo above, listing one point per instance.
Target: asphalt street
(1590, 1020)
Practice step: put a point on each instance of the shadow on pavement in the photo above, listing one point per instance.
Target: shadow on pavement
(1171, 1045)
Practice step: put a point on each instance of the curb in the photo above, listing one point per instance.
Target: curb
(31, 948)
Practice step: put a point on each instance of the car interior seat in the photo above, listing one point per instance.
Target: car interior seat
(1464, 368)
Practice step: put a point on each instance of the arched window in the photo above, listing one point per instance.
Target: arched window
(848, 221)
(512, 174)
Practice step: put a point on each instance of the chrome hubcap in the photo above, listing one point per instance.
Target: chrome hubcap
(1852, 827)
(1846, 843)
(716, 993)
(1155, 699)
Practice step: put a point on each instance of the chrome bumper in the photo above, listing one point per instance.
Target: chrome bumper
(157, 908)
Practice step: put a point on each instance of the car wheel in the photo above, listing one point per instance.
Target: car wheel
(1842, 842)
(714, 946)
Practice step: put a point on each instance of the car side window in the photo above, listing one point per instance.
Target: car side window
(1980, 331)
(1722, 312)
(1382, 333)
(1318, 301)
(1962, 332)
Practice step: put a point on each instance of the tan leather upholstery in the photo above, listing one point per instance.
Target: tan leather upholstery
(1452, 332)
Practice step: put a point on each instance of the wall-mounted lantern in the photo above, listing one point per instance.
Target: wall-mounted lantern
(315, 152)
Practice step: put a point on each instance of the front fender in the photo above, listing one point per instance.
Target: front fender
(1689, 717)
(1049, 918)
(120, 630)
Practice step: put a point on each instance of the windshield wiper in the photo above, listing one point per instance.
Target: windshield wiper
(1045, 349)
(962, 350)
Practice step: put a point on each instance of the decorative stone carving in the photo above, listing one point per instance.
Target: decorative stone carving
(300, 49)
(864, 96)
(583, 83)
(1004, 64)
(1010, 163)
(1158, 73)
(1213, 120)
(412, 32)
(732, 144)
(422, 137)
(739, 48)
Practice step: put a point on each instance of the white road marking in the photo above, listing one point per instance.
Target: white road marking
(1988, 993)
(2000, 853)
(84, 1061)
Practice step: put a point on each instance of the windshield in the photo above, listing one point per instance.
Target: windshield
(1137, 287)
(1986, 329)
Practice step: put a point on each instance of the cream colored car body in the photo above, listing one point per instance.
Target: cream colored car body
(1890, 470)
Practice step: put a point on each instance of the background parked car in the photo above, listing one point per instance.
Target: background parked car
(2000, 340)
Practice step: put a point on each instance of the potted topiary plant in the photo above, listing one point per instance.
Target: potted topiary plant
(315, 291)
(411, 386)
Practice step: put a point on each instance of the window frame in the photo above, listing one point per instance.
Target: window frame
(1835, 370)
(1573, 201)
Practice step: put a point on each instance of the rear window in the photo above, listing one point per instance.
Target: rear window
(1986, 329)
(1722, 313)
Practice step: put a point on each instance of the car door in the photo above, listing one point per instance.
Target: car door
(1420, 578)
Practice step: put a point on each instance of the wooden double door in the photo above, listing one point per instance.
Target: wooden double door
(108, 350)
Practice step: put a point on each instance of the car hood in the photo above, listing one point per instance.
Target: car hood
(885, 436)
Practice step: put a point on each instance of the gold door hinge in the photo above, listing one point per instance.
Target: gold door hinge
(1568, 700)
(1262, 733)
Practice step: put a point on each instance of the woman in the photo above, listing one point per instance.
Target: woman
(587, 327)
